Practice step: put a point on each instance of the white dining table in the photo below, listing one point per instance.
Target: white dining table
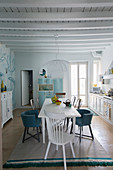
(48, 106)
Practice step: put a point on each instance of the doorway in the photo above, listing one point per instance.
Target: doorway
(26, 87)
(79, 82)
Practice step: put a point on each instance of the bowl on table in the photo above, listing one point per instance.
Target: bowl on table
(58, 102)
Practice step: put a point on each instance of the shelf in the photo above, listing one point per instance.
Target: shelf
(109, 76)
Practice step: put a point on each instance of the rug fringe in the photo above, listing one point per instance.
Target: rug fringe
(54, 163)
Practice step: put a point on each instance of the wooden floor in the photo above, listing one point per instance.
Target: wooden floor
(13, 129)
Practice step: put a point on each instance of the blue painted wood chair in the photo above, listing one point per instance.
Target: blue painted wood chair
(84, 120)
(30, 119)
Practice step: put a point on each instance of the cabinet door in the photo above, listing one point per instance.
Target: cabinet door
(49, 81)
(49, 94)
(4, 107)
(45, 81)
(9, 104)
(58, 85)
(112, 112)
(95, 102)
(101, 106)
(98, 104)
(41, 96)
(91, 100)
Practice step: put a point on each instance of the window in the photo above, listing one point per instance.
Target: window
(79, 81)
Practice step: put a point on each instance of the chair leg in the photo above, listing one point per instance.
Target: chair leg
(91, 132)
(24, 135)
(38, 134)
(71, 128)
(72, 149)
(64, 155)
(47, 150)
(40, 129)
(67, 123)
(56, 147)
(80, 134)
(27, 130)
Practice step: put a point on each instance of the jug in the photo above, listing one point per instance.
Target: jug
(67, 102)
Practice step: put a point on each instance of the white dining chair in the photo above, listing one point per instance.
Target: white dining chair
(57, 135)
(32, 104)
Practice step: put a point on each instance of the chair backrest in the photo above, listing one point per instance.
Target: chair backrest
(79, 103)
(29, 118)
(55, 127)
(38, 103)
(86, 119)
(83, 111)
(32, 104)
(61, 95)
(74, 101)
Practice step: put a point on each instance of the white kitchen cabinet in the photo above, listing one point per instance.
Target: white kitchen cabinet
(6, 106)
(96, 103)
(91, 100)
(102, 106)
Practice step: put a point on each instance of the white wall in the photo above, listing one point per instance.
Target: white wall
(35, 61)
(107, 58)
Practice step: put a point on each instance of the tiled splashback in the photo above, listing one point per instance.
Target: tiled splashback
(7, 70)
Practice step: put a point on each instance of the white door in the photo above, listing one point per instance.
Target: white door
(79, 82)
(25, 87)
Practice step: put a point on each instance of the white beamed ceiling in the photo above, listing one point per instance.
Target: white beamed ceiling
(56, 25)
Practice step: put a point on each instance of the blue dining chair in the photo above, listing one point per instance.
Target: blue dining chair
(84, 120)
(30, 119)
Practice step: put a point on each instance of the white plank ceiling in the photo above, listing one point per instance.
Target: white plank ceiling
(56, 25)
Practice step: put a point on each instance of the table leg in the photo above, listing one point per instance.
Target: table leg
(74, 126)
(43, 129)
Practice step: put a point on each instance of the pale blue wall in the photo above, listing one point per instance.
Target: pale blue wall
(7, 70)
(35, 61)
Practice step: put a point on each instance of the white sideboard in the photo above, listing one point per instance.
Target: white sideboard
(6, 106)
(102, 106)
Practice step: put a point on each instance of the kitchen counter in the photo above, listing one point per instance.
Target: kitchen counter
(102, 96)
(102, 105)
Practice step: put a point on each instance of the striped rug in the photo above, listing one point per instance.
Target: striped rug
(59, 162)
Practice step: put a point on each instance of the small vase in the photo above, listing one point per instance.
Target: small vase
(2, 86)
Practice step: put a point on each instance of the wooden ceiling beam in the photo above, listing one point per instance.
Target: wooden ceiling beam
(55, 4)
(57, 26)
(56, 16)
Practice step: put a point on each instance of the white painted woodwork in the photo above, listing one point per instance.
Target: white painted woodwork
(59, 26)
(71, 16)
(6, 106)
(97, 103)
(54, 22)
(55, 4)
(0, 135)
(56, 34)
